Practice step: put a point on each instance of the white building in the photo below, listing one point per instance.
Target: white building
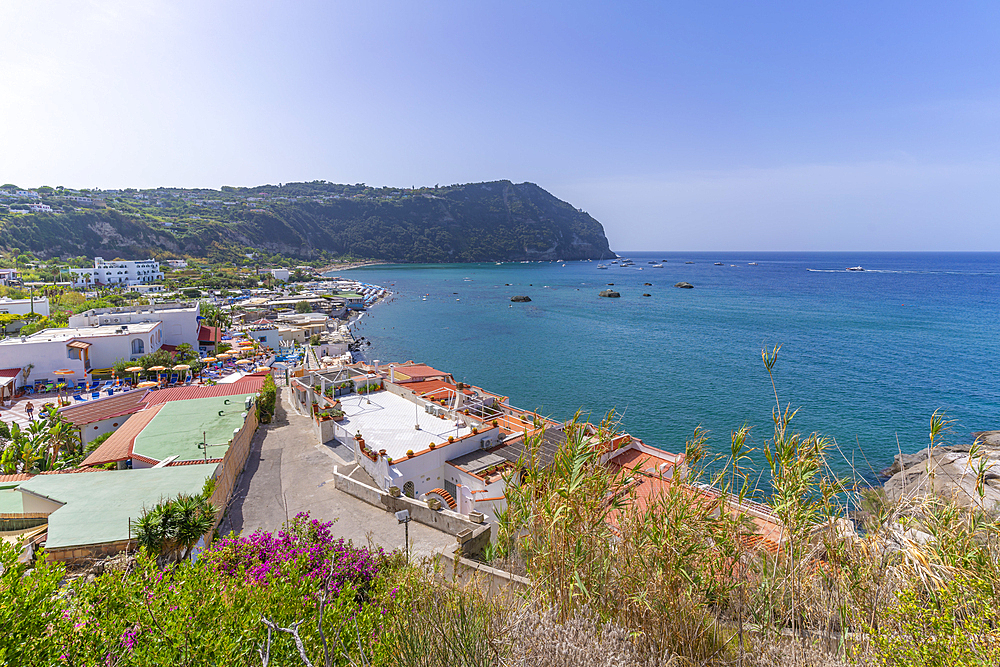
(38, 305)
(118, 273)
(180, 320)
(281, 274)
(177, 263)
(79, 349)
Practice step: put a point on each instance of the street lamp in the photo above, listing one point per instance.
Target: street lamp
(403, 516)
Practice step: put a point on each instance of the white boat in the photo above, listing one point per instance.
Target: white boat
(601, 266)
(752, 264)
(855, 268)
(657, 266)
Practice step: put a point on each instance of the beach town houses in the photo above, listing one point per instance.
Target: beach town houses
(180, 320)
(79, 349)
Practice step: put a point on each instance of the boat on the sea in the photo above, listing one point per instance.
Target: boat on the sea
(719, 264)
(752, 264)
(855, 268)
(601, 266)
(657, 266)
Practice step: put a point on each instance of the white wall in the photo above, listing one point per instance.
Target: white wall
(180, 325)
(34, 503)
(24, 306)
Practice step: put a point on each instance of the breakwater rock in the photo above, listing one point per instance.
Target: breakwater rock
(610, 293)
(953, 472)
(684, 285)
(520, 299)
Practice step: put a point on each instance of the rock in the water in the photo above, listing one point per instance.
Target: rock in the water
(648, 284)
(684, 285)
(647, 295)
(611, 283)
(519, 299)
(610, 293)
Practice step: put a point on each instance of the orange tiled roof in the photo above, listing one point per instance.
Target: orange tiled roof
(251, 384)
(118, 447)
(99, 409)
(440, 388)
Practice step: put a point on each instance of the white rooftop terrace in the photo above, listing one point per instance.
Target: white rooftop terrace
(387, 423)
(69, 333)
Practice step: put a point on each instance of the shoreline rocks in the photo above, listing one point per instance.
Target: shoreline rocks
(950, 473)
(520, 299)
(684, 285)
(611, 294)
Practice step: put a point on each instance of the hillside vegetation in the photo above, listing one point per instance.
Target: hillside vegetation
(312, 221)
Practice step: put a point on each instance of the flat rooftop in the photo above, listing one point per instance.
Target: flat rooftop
(98, 506)
(69, 333)
(387, 423)
(180, 425)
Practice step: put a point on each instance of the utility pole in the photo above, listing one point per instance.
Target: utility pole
(403, 516)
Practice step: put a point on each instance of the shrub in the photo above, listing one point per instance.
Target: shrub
(267, 400)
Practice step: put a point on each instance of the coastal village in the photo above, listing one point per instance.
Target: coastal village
(101, 434)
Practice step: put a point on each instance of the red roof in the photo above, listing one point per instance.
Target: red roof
(9, 372)
(439, 389)
(99, 409)
(209, 334)
(251, 384)
(18, 477)
(118, 447)
(415, 372)
(169, 348)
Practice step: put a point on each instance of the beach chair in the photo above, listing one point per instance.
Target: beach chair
(110, 390)
(94, 385)
(50, 387)
(107, 383)
(78, 398)
(173, 378)
(96, 394)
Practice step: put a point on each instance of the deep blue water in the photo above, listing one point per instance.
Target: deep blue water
(866, 357)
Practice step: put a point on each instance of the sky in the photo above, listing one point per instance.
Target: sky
(679, 126)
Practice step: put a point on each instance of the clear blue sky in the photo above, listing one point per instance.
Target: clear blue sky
(696, 125)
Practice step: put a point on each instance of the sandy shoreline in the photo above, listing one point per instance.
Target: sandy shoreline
(350, 265)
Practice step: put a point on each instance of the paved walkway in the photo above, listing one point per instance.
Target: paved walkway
(287, 473)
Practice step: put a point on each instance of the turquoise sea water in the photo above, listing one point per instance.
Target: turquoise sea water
(866, 356)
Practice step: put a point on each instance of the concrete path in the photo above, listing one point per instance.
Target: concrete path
(287, 473)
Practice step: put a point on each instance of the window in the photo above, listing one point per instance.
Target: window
(137, 346)
(408, 490)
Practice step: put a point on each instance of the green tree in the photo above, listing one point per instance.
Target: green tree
(303, 307)
(171, 529)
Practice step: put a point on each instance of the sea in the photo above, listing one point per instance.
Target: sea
(866, 357)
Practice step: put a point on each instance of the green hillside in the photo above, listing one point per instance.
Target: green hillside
(459, 223)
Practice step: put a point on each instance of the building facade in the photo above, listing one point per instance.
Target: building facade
(118, 273)
(180, 320)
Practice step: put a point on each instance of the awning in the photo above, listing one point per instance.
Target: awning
(79, 344)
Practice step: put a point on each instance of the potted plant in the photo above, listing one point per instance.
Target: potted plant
(434, 504)
(451, 438)
(475, 429)
(394, 491)
(410, 454)
(495, 423)
(325, 416)
(476, 517)
(337, 414)
(432, 445)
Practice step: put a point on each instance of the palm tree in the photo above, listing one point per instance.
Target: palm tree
(172, 528)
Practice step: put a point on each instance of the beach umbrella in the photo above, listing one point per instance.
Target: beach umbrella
(208, 360)
(243, 362)
(147, 384)
(263, 369)
(182, 367)
(223, 356)
(63, 372)
(134, 370)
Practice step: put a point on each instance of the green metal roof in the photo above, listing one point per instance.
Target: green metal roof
(180, 425)
(10, 501)
(98, 506)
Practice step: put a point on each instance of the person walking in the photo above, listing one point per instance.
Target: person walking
(29, 410)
